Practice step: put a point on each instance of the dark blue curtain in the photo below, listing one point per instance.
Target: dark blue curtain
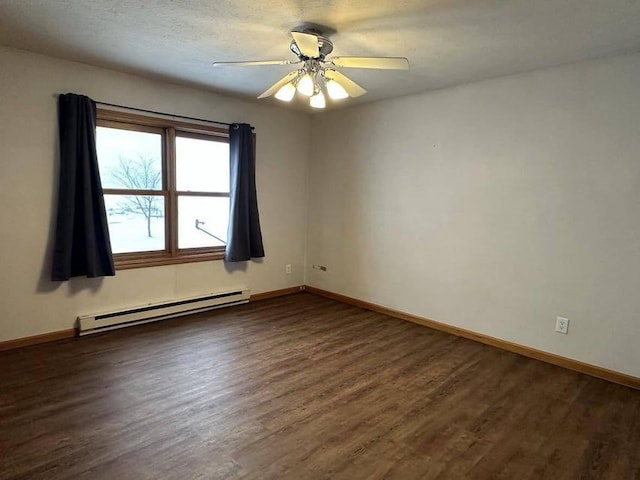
(244, 239)
(82, 246)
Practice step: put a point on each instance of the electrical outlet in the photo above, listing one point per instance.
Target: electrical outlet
(287, 268)
(562, 325)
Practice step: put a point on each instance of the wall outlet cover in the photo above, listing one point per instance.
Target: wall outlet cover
(562, 325)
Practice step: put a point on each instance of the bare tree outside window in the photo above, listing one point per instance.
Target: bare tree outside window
(139, 174)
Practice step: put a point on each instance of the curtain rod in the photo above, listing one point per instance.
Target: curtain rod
(166, 114)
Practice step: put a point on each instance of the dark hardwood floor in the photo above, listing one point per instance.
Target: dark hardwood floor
(302, 387)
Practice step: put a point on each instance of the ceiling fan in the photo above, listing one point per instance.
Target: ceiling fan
(317, 74)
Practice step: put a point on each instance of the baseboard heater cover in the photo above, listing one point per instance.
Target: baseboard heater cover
(152, 312)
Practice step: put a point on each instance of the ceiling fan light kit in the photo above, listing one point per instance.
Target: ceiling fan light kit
(318, 101)
(286, 92)
(317, 78)
(306, 85)
(336, 91)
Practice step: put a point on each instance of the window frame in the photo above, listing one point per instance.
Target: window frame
(169, 129)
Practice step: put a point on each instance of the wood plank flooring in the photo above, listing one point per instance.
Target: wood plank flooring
(302, 387)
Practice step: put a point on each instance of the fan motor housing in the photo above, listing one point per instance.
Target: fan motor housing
(324, 45)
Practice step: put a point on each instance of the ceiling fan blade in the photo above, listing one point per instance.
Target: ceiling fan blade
(255, 63)
(352, 88)
(276, 86)
(307, 44)
(386, 63)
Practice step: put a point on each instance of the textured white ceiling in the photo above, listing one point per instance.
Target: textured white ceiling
(447, 42)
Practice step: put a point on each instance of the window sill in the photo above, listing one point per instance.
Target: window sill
(125, 262)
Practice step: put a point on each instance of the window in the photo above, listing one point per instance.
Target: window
(166, 188)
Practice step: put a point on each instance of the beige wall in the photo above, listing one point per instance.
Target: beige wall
(494, 206)
(29, 303)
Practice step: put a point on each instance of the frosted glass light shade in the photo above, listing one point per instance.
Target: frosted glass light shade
(336, 91)
(305, 85)
(317, 101)
(286, 92)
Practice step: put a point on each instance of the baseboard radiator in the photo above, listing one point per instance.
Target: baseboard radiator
(159, 311)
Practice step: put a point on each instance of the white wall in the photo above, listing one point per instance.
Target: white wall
(29, 303)
(494, 207)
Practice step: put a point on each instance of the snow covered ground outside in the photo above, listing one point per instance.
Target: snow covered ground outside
(128, 231)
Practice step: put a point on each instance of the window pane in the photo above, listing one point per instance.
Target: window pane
(129, 159)
(136, 222)
(202, 165)
(202, 221)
